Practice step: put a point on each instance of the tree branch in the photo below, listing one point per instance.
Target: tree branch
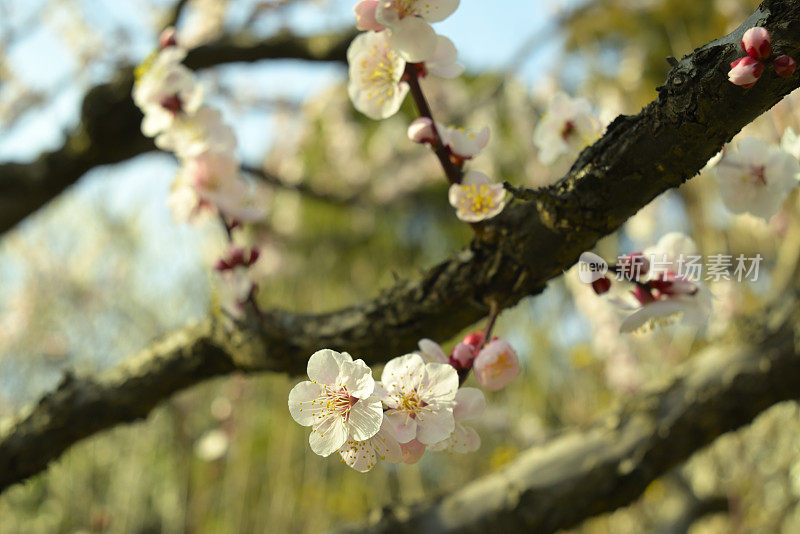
(109, 131)
(585, 473)
(533, 241)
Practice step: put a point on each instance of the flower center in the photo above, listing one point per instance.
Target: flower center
(339, 402)
(567, 130)
(759, 173)
(478, 198)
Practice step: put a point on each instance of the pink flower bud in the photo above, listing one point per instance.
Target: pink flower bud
(462, 356)
(745, 71)
(421, 131)
(496, 365)
(757, 43)
(167, 38)
(365, 16)
(475, 339)
(643, 295)
(785, 66)
(601, 285)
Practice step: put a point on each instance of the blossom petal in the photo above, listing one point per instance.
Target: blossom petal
(357, 378)
(402, 426)
(432, 352)
(403, 374)
(329, 436)
(366, 417)
(413, 38)
(303, 402)
(436, 10)
(440, 383)
(435, 424)
(324, 365)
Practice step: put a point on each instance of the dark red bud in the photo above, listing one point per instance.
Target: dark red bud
(785, 66)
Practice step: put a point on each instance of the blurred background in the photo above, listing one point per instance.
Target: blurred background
(103, 270)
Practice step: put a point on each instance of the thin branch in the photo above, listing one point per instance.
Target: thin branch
(451, 170)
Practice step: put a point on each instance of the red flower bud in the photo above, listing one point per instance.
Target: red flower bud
(785, 66)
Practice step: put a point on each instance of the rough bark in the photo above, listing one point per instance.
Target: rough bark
(514, 256)
(109, 128)
(585, 473)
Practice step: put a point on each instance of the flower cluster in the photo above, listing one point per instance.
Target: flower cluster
(398, 48)
(757, 44)
(208, 181)
(659, 295)
(417, 405)
(171, 99)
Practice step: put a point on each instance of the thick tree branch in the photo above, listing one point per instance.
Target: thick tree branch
(533, 241)
(109, 128)
(585, 473)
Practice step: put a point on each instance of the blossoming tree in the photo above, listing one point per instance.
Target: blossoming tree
(417, 372)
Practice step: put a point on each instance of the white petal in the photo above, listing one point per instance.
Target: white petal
(404, 373)
(440, 383)
(402, 426)
(360, 455)
(328, 437)
(434, 424)
(357, 378)
(304, 402)
(386, 445)
(656, 310)
(324, 366)
(366, 417)
(436, 10)
(413, 38)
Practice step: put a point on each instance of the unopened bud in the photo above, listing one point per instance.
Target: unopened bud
(757, 42)
(785, 66)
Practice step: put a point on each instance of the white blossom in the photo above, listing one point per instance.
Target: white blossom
(337, 403)
(566, 128)
(376, 70)
(408, 25)
(419, 397)
(757, 177)
(463, 143)
(476, 199)
(166, 89)
(192, 135)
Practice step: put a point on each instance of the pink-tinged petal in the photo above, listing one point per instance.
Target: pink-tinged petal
(475, 178)
(365, 16)
(745, 71)
(329, 436)
(412, 451)
(443, 61)
(356, 377)
(360, 455)
(470, 403)
(420, 131)
(386, 445)
(434, 424)
(413, 38)
(304, 402)
(432, 352)
(440, 383)
(402, 426)
(366, 417)
(324, 365)
(496, 365)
